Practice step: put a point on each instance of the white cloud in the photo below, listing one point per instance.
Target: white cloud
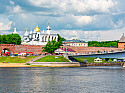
(41, 3)
(11, 2)
(17, 9)
(81, 20)
(5, 26)
(77, 6)
(5, 23)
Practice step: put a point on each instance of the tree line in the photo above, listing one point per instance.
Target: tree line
(103, 43)
(51, 46)
(10, 39)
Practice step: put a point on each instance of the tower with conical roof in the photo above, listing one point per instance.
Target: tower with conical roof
(121, 43)
(48, 29)
(15, 31)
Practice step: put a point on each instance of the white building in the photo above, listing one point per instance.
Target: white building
(37, 37)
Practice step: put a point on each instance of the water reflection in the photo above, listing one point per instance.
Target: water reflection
(63, 80)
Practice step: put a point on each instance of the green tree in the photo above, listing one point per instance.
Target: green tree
(1, 39)
(10, 39)
(4, 39)
(51, 46)
(60, 39)
(103, 43)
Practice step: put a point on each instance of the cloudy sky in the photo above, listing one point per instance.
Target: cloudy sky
(72, 19)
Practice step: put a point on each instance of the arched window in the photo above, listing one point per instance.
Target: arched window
(49, 37)
(38, 35)
(45, 38)
(52, 37)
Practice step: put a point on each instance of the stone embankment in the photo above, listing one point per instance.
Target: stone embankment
(104, 64)
(57, 64)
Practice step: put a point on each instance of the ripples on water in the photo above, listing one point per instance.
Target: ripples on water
(63, 80)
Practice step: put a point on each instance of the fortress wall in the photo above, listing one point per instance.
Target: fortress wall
(10, 47)
(36, 49)
(121, 45)
(82, 49)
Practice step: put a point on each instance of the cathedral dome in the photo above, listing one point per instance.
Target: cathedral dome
(37, 29)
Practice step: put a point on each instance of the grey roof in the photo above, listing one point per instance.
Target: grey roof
(75, 41)
(122, 39)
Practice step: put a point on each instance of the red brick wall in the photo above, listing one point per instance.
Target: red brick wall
(82, 49)
(36, 49)
(121, 45)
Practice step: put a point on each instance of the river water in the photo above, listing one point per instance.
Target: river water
(102, 79)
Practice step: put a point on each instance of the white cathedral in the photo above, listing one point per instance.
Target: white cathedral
(37, 37)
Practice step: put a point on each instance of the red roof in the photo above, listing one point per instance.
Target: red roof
(68, 49)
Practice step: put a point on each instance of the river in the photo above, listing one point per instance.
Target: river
(101, 79)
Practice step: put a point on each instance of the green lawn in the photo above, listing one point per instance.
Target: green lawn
(17, 59)
(89, 59)
(52, 59)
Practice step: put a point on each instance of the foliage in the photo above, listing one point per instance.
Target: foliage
(51, 46)
(103, 43)
(52, 59)
(10, 39)
(17, 59)
(60, 39)
(89, 59)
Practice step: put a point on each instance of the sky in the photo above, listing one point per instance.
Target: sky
(73, 19)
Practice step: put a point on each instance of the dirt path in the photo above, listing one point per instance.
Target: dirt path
(13, 65)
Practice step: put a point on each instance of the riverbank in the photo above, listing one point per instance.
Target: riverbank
(58, 64)
(14, 65)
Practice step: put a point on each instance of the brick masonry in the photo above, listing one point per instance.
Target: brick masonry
(121, 45)
(36, 49)
(89, 50)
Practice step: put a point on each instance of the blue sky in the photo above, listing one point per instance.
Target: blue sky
(72, 19)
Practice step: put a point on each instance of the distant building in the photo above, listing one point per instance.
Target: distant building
(98, 60)
(121, 43)
(65, 51)
(37, 37)
(75, 43)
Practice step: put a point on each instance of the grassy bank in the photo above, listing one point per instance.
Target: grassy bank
(52, 59)
(17, 59)
(89, 59)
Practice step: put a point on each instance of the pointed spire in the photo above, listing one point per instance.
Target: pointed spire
(31, 31)
(15, 30)
(26, 33)
(122, 39)
(43, 30)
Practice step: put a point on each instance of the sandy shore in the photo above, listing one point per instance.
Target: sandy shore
(14, 65)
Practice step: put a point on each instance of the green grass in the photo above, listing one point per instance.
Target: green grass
(89, 59)
(52, 59)
(17, 59)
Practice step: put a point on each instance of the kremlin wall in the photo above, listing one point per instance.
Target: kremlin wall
(37, 49)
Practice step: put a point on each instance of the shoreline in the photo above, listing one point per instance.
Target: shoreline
(78, 64)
